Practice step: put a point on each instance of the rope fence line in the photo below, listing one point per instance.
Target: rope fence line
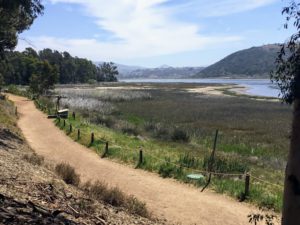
(208, 172)
(198, 170)
(267, 182)
(219, 173)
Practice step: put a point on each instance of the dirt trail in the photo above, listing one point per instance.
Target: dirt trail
(178, 203)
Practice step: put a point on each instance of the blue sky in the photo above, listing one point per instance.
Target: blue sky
(155, 32)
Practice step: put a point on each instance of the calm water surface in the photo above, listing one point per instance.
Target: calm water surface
(259, 87)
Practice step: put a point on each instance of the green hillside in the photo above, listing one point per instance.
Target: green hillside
(255, 62)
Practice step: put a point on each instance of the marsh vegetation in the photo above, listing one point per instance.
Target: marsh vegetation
(175, 128)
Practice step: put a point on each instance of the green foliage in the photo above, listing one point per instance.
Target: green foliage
(180, 135)
(1, 82)
(149, 126)
(108, 72)
(7, 115)
(92, 81)
(190, 161)
(286, 74)
(129, 129)
(168, 169)
(100, 119)
(23, 67)
(43, 80)
(17, 91)
(226, 164)
(161, 132)
(15, 17)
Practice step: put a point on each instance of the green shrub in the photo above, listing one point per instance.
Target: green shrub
(107, 121)
(129, 129)
(92, 81)
(268, 201)
(47, 102)
(180, 135)
(167, 169)
(226, 164)
(16, 90)
(67, 173)
(190, 161)
(161, 132)
(149, 126)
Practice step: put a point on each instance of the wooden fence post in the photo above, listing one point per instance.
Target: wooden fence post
(105, 150)
(73, 115)
(92, 138)
(64, 123)
(78, 134)
(141, 156)
(247, 185)
(211, 160)
(16, 111)
(70, 128)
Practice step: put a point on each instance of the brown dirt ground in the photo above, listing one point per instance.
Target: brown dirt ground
(178, 203)
(30, 193)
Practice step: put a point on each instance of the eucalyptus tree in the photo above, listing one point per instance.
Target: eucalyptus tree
(15, 17)
(43, 79)
(287, 77)
(109, 71)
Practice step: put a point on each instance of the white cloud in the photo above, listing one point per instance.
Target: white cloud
(144, 28)
(210, 8)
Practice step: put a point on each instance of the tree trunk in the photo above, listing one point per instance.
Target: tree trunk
(291, 201)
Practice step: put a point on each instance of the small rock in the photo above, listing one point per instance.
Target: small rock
(69, 195)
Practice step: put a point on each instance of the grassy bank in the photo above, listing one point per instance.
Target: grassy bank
(7, 115)
(175, 129)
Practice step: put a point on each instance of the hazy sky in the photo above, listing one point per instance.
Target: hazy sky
(156, 32)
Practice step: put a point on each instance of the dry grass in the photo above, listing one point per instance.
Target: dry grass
(115, 197)
(67, 173)
(105, 94)
(34, 159)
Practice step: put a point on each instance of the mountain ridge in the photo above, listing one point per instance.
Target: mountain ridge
(254, 62)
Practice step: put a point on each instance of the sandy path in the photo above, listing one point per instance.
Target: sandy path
(164, 197)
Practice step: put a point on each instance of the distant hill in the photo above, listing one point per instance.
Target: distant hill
(123, 69)
(162, 72)
(255, 62)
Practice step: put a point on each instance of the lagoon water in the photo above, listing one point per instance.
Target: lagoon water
(259, 87)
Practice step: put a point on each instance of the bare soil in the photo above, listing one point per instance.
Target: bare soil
(30, 193)
(166, 198)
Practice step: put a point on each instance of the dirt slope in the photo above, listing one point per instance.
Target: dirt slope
(31, 193)
(177, 202)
